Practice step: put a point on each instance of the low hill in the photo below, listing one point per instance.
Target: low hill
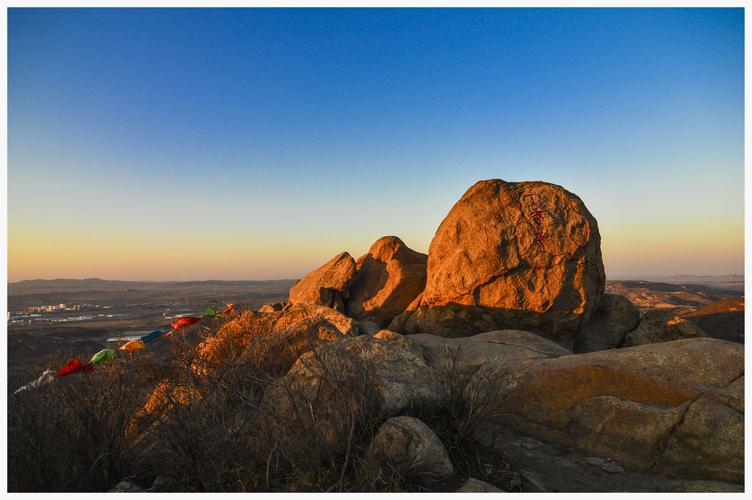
(661, 295)
(723, 319)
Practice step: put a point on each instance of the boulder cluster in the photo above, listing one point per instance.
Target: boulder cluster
(513, 284)
(507, 314)
(375, 289)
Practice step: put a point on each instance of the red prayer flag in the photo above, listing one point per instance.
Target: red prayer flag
(74, 366)
(230, 309)
(185, 321)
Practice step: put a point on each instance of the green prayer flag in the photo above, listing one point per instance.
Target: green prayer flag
(211, 313)
(102, 356)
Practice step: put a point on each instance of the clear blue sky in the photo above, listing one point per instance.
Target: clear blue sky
(257, 143)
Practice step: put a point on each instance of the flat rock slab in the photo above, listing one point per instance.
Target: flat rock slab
(674, 407)
(470, 353)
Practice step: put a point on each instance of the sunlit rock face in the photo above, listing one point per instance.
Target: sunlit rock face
(296, 330)
(327, 285)
(511, 255)
(387, 280)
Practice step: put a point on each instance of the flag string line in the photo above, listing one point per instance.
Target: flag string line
(75, 365)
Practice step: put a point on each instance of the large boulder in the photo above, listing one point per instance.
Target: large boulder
(387, 280)
(673, 408)
(398, 378)
(406, 447)
(522, 255)
(615, 316)
(662, 326)
(327, 285)
(347, 385)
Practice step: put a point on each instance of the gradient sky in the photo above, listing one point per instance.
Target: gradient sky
(257, 143)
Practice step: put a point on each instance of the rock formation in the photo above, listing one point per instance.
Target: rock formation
(397, 377)
(327, 285)
(374, 290)
(511, 255)
(387, 280)
(514, 277)
(344, 384)
(406, 446)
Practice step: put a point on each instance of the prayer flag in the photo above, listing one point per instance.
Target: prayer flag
(74, 366)
(148, 339)
(45, 378)
(133, 346)
(102, 356)
(211, 313)
(184, 321)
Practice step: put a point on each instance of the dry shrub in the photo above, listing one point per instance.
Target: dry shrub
(469, 406)
(232, 438)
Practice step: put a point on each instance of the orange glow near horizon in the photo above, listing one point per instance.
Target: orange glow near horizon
(661, 248)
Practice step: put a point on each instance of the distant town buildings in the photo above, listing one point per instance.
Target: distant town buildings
(54, 308)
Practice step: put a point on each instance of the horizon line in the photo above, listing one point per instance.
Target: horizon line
(136, 280)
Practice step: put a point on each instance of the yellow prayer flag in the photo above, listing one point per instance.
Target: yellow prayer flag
(133, 346)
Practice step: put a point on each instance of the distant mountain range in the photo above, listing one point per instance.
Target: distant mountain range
(725, 281)
(731, 281)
